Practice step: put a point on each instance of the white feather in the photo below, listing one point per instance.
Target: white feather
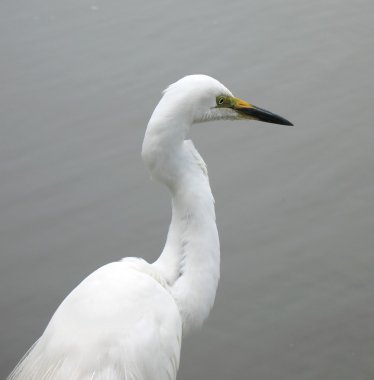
(126, 320)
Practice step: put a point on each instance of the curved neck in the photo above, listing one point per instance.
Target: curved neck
(191, 257)
(194, 225)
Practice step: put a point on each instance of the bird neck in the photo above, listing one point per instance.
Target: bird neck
(191, 258)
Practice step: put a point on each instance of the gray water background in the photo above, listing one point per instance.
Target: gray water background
(295, 206)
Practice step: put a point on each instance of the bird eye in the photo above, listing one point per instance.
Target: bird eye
(221, 99)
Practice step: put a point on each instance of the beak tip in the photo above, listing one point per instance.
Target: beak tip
(280, 120)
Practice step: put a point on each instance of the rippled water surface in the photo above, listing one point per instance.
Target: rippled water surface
(295, 206)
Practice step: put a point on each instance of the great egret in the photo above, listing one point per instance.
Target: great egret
(126, 320)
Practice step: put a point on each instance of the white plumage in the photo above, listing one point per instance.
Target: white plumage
(109, 327)
(126, 320)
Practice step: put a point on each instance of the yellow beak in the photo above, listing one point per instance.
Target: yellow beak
(250, 111)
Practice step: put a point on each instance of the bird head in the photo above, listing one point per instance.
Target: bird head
(205, 99)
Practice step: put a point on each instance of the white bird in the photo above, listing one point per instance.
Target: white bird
(126, 320)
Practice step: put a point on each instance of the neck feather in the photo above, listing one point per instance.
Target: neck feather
(195, 287)
(191, 258)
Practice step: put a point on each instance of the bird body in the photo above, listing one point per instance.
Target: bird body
(97, 333)
(126, 320)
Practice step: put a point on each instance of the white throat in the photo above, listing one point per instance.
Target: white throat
(191, 257)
